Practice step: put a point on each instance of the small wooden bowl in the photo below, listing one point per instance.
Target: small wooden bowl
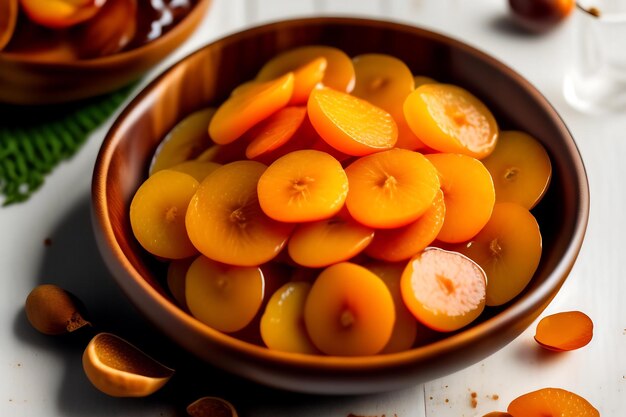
(207, 76)
(30, 81)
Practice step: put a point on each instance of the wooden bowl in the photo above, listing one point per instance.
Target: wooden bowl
(28, 81)
(207, 76)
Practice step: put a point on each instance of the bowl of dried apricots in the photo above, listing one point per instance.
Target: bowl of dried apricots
(54, 51)
(336, 205)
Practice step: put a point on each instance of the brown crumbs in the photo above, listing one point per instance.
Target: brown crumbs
(495, 397)
(47, 242)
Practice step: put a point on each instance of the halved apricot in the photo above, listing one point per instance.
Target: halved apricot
(391, 188)
(306, 78)
(405, 327)
(551, 402)
(402, 243)
(242, 111)
(339, 72)
(325, 242)
(568, 330)
(508, 248)
(282, 324)
(197, 169)
(225, 222)
(450, 119)
(274, 131)
(520, 168)
(350, 124)
(176, 277)
(224, 297)
(468, 194)
(349, 311)
(444, 290)
(301, 186)
(187, 140)
(58, 14)
(157, 214)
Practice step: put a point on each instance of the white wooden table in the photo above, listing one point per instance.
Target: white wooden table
(42, 376)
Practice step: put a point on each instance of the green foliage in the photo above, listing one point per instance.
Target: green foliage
(34, 140)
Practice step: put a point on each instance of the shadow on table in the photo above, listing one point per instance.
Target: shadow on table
(73, 262)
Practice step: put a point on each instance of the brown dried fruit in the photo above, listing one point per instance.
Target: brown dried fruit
(54, 311)
(211, 407)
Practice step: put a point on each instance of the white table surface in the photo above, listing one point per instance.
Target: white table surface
(42, 376)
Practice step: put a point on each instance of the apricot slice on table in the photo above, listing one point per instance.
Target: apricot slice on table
(551, 402)
(564, 331)
(224, 297)
(339, 72)
(468, 195)
(350, 124)
(402, 243)
(157, 214)
(109, 31)
(225, 222)
(520, 168)
(58, 14)
(450, 119)
(119, 369)
(444, 290)
(508, 248)
(186, 141)
(282, 324)
(274, 131)
(8, 20)
(242, 111)
(405, 327)
(391, 188)
(349, 311)
(301, 186)
(325, 242)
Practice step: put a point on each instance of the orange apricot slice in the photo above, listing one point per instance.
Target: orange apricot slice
(420, 80)
(274, 131)
(405, 327)
(57, 14)
(551, 402)
(306, 78)
(119, 369)
(176, 277)
(197, 169)
(508, 248)
(468, 195)
(349, 311)
(350, 124)
(391, 189)
(282, 324)
(520, 168)
(8, 19)
(386, 81)
(564, 331)
(339, 72)
(242, 111)
(157, 214)
(223, 154)
(444, 290)
(450, 119)
(187, 140)
(211, 407)
(225, 222)
(325, 242)
(301, 186)
(224, 297)
(402, 243)
(383, 80)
